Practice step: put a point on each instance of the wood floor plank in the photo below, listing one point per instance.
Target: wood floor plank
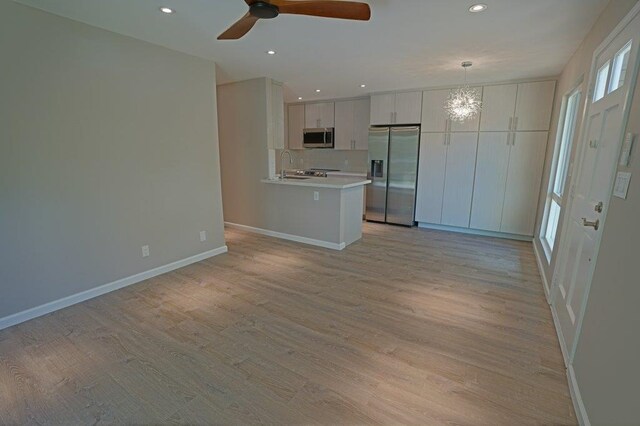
(406, 326)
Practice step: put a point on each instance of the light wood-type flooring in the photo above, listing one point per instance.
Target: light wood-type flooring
(406, 326)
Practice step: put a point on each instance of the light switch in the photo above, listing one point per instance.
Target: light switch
(621, 186)
(203, 235)
(316, 195)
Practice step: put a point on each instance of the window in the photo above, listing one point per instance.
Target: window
(601, 82)
(561, 168)
(619, 70)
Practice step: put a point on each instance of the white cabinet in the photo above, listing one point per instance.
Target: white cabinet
(445, 178)
(491, 177)
(361, 111)
(408, 108)
(352, 124)
(318, 115)
(396, 108)
(498, 107)
(275, 131)
(534, 105)
(383, 108)
(431, 171)
(507, 184)
(526, 161)
(458, 181)
(521, 107)
(435, 118)
(295, 124)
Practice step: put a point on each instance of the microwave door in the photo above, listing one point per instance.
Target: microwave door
(314, 138)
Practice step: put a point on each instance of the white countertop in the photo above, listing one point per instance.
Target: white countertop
(355, 174)
(319, 182)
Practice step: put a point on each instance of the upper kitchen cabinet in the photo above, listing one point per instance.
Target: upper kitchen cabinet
(434, 116)
(352, 124)
(408, 108)
(295, 119)
(498, 107)
(533, 106)
(521, 107)
(383, 108)
(275, 124)
(319, 115)
(396, 108)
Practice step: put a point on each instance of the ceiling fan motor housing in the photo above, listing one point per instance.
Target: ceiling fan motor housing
(263, 10)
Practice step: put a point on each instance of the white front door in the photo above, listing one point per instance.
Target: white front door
(612, 82)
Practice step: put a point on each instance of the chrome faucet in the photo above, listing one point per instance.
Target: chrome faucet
(283, 173)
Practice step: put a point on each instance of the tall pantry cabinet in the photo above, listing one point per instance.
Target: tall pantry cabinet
(446, 165)
(485, 173)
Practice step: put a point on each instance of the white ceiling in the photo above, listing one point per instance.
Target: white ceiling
(407, 44)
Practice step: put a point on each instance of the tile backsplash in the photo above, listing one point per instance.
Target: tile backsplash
(347, 161)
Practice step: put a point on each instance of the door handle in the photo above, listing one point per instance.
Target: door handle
(595, 225)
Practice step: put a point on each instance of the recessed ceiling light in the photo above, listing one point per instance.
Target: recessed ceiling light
(363, 85)
(480, 7)
(167, 10)
(271, 52)
(317, 90)
(299, 98)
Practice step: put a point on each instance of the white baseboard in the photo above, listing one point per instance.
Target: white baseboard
(545, 282)
(55, 305)
(578, 405)
(282, 235)
(474, 232)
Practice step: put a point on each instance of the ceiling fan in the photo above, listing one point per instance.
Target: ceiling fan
(268, 9)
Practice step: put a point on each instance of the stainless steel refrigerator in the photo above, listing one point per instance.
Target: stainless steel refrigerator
(393, 171)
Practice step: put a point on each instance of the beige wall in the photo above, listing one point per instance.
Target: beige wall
(107, 143)
(605, 362)
(242, 116)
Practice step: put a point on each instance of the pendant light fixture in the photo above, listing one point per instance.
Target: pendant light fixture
(464, 102)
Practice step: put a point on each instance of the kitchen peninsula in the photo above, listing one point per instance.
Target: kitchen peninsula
(326, 212)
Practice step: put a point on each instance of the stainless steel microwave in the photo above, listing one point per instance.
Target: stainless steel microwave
(318, 138)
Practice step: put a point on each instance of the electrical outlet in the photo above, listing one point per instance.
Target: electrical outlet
(203, 235)
(145, 251)
(316, 195)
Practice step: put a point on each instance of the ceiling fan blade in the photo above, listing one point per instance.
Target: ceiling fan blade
(240, 28)
(328, 9)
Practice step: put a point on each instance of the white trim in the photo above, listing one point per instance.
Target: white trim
(563, 347)
(55, 305)
(282, 235)
(545, 282)
(576, 398)
(471, 231)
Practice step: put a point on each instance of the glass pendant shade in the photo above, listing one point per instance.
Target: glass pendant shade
(464, 102)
